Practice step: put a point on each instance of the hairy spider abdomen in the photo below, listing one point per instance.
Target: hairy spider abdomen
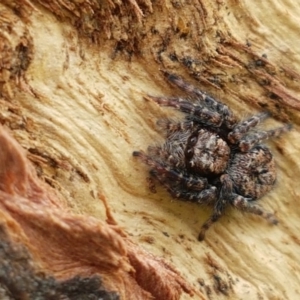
(207, 153)
(253, 173)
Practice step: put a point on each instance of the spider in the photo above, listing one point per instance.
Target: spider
(210, 157)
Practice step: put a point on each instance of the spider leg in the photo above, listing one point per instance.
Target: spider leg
(198, 112)
(206, 196)
(207, 100)
(207, 224)
(165, 174)
(163, 154)
(240, 129)
(252, 139)
(244, 204)
(172, 151)
(225, 194)
(171, 125)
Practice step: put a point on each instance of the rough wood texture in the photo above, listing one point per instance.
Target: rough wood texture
(73, 75)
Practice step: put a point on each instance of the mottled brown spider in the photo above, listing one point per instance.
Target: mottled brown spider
(211, 157)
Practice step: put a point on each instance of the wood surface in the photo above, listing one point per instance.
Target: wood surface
(74, 75)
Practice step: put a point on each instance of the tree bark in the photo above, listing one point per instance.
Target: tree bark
(74, 76)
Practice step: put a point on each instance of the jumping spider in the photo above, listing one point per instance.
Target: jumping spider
(211, 157)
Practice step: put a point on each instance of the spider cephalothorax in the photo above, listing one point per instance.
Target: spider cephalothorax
(212, 158)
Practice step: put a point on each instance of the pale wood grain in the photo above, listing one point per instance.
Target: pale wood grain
(79, 111)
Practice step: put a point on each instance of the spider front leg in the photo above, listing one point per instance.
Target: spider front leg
(165, 174)
(171, 126)
(198, 112)
(208, 101)
(244, 204)
(249, 141)
(243, 127)
(206, 196)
